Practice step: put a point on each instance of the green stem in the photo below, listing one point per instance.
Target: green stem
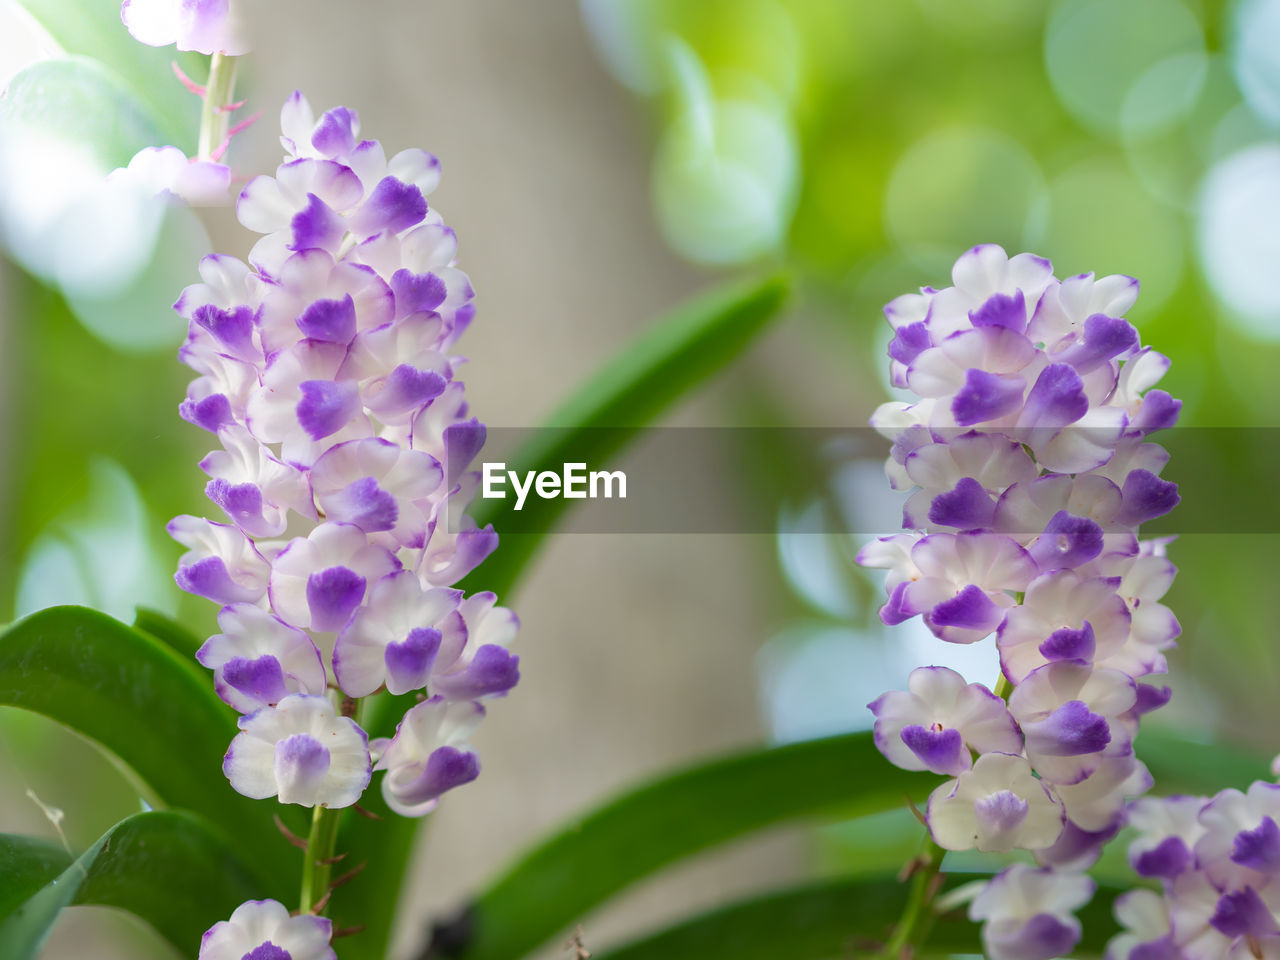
(1003, 687)
(316, 868)
(214, 121)
(917, 915)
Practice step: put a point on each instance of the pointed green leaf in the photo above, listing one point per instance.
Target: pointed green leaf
(829, 920)
(557, 883)
(172, 869)
(168, 631)
(151, 709)
(26, 865)
(673, 357)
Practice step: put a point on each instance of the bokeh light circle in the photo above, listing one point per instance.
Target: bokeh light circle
(1099, 53)
(1239, 237)
(1101, 219)
(962, 186)
(1256, 56)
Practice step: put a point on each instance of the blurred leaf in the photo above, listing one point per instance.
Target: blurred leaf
(666, 362)
(1182, 765)
(27, 864)
(82, 101)
(94, 28)
(825, 921)
(167, 630)
(151, 709)
(593, 858)
(172, 869)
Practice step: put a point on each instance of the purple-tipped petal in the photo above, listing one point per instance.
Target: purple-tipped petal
(967, 506)
(1070, 731)
(1104, 338)
(261, 679)
(971, 609)
(462, 442)
(316, 226)
(909, 341)
(1069, 644)
(1043, 937)
(301, 763)
(986, 396)
(1259, 848)
(446, 768)
(492, 671)
(1167, 859)
(1242, 913)
(268, 951)
(1056, 399)
(365, 504)
(1001, 310)
(1159, 411)
(937, 749)
(232, 328)
(409, 661)
(392, 206)
(335, 134)
(326, 406)
(212, 413)
(1067, 542)
(332, 596)
(333, 321)
(417, 292)
(1001, 812)
(1145, 497)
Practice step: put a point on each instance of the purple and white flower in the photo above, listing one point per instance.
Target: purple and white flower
(937, 722)
(429, 754)
(1027, 472)
(300, 751)
(264, 930)
(998, 805)
(1027, 913)
(205, 26)
(325, 370)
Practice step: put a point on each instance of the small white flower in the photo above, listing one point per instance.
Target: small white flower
(300, 751)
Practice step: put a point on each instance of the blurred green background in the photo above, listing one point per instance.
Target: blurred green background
(603, 159)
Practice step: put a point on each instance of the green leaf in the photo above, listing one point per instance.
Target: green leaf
(168, 631)
(1182, 765)
(829, 920)
(674, 356)
(84, 102)
(93, 28)
(172, 869)
(151, 709)
(580, 867)
(26, 865)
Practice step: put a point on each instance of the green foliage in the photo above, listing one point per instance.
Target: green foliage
(605, 851)
(92, 28)
(83, 101)
(148, 707)
(833, 919)
(172, 869)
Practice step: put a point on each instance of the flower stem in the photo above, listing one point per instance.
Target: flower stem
(318, 865)
(917, 915)
(214, 120)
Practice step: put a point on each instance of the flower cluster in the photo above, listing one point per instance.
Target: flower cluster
(1218, 860)
(325, 374)
(1029, 473)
